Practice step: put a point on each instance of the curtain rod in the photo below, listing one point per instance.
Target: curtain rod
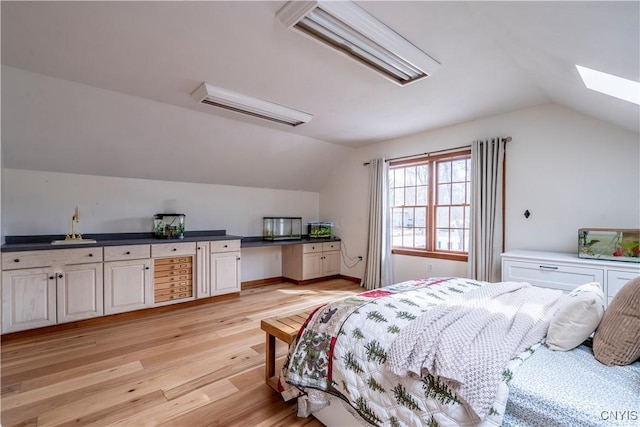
(507, 139)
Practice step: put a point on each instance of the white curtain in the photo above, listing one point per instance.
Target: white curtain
(377, 271)
(485, 243)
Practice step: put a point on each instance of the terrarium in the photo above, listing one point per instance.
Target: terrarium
(281, 228)
(319, 230)
(168, 226)
(609, 244)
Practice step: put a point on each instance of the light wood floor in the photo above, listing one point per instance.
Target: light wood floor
(198, 366)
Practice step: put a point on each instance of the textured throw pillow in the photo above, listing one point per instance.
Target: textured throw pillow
(617, 340)
(578, 315)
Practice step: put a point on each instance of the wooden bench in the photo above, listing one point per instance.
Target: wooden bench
(285, 329)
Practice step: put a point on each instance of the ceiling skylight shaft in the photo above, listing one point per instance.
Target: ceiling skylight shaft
(611, 85)
(346, 27)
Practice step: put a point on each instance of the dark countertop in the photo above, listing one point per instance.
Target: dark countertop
(43, 242)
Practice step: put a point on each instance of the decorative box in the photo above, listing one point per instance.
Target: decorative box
(281, 228)
(168, 226)
(609, 244)
(319, 230)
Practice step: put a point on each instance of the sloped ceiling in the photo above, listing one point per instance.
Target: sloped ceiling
(114, 80)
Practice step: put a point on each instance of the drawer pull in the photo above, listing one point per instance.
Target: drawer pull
(174, 249)
(52, 277)
(547, 267)
(90, 254)
(127, 253)
(146, 267)
(16, 260)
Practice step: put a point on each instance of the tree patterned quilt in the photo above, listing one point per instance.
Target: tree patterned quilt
(342, 349)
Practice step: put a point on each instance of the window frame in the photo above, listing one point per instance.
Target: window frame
(430, 251)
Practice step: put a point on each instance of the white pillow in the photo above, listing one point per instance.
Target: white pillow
(579, 314)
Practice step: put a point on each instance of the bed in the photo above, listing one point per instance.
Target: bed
(348, 365)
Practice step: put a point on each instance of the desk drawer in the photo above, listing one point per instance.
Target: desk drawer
(125, 252)
(550, 275)
(173, 249)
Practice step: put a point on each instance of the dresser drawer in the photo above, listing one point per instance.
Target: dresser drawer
(182, 286)
(309, 248)
(125, 252)
(550, 275)
(48, 258)
(225, 245)
(173, 249)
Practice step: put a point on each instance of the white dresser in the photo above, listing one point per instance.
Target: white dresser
(566, 271)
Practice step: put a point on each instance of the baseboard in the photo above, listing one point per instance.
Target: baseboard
(351, 279)
(262, 282)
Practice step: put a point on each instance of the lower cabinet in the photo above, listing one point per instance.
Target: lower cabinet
(308, 261)
(127, 286)
(37, 297)
(224, 267)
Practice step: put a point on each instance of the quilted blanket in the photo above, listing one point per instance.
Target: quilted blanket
(467, 341)
(343, 348)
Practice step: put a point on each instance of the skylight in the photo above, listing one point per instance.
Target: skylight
(611, 85)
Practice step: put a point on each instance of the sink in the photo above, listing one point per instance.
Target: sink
(73, 242)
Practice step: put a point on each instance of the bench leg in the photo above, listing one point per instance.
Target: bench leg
(270, 362)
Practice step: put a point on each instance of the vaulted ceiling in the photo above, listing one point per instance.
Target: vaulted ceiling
(495, 57)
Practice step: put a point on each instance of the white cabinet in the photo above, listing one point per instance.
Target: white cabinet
(28, 299)
(127, 285)
(224, 267)
(566, 271)
(41, 288)
(309, 261)
(80, 292)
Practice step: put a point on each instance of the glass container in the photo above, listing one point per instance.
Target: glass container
(281, 228)
(168, 226)
(609, 244)
(319, 230)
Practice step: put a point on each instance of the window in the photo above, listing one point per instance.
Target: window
(430, 205)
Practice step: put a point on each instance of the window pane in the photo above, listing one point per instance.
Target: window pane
(442, 241)
(467, 217)
(457, 217)
(442, 217)
(420, 218)
(468, 199)
(422, 175)
(444, 172)
(444, 194)
(458, 194)
(396, 218)
(422, 195)
(466, 241)
(399, 177)
(459, 170)
(407, 238)
(410, 176)
(420, 236)
(456, 242)
(410, 196)
(399, 197)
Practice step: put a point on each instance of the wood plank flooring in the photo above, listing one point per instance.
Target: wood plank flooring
(197, 366)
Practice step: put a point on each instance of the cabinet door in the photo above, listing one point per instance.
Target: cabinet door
(616, 279)
(202, 283)
(330, 263)
(225, 273)
(80, 292)
(312, 265)
(28, 299)
(127, 286)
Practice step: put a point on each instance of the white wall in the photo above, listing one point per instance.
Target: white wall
(43, 202)
(569, 170)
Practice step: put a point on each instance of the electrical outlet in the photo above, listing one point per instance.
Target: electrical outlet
(430, 268)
